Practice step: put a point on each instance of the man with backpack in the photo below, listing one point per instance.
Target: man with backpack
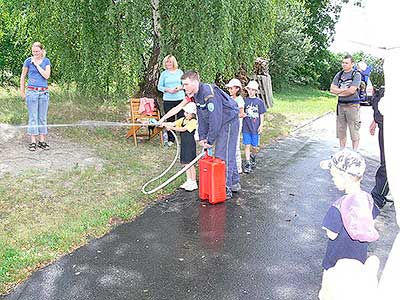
(345, 85)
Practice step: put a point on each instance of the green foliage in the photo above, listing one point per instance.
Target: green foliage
(331, 64)
(291, 44)
(99, 44)
(217, 36)
(253, 26)
(323, 14)
(12, 39)
(103, 47)
(196, 38)
(303, 33)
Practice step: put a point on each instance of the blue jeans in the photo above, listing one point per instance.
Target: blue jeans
(37, 103)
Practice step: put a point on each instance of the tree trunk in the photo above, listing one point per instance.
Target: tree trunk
(148, 86)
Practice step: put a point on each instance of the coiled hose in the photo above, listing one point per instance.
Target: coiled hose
(168, 181)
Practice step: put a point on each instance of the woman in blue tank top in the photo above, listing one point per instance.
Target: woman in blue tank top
(170, 85)
(36, 95)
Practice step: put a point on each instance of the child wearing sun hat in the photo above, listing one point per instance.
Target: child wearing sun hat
(186, 127)
(253, 123)
(349, 222)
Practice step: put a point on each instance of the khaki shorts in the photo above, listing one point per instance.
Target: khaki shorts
(348, 115)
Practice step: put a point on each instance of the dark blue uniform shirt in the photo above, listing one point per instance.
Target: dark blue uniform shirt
(215, 108)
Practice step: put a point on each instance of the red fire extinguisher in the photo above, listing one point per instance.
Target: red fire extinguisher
(212, 179)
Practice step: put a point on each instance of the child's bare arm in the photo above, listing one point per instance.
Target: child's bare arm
(260, 129)
(167, 124)
(331, 235)
(178, 129)
(241, 112)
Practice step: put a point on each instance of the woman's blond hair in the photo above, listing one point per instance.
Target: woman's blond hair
(172, 59)
(39, 45)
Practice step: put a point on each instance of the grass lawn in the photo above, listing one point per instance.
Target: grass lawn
(44, 216)
(294, 107)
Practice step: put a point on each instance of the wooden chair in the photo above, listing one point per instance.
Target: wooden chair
(137, 117)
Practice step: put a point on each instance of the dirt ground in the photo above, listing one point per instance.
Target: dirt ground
(15, 158)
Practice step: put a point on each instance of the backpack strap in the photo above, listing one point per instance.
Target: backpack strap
(341, 74)
(340, 80)
(353, 73)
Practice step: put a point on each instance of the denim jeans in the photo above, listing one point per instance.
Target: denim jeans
(37, 103)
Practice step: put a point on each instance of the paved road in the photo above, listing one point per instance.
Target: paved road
(266, 243)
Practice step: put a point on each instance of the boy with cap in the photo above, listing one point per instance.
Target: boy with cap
(349, 222)
(186, 127)
(253, 123)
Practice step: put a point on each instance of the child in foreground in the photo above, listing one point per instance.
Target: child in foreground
(349, 222)
(186, 127)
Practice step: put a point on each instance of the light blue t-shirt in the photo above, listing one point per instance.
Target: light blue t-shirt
(171, 80)
(36, 79)
(240, 101)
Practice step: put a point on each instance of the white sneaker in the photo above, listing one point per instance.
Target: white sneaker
(191, 186)
(184, 185)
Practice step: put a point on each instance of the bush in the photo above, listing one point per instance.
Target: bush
(290, 45)
(333, 65)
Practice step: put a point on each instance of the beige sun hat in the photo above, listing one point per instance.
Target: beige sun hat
(190, 108)
(234, 82)
(252, 85)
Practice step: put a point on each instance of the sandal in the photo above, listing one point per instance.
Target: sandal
(44, 145)
(32, 147)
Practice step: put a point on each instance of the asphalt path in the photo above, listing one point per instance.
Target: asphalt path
(266, 243)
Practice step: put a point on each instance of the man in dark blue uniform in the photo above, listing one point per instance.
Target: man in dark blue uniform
(218, 119)
(381, 189)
